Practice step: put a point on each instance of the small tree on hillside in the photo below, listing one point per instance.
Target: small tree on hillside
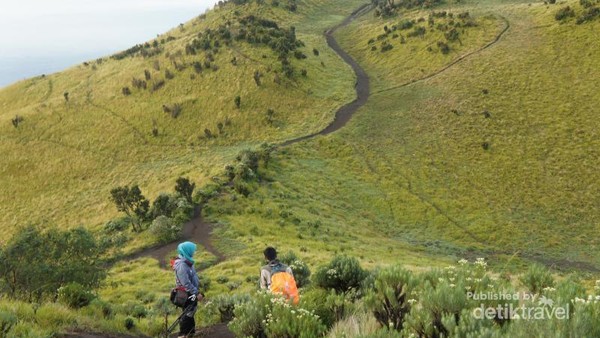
(238, 102)
(58, 257)
(257, 76)
(16, 121)
(131, 202)
(185, 188)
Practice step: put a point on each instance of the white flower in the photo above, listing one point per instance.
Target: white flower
(463, 261)
(549, 289)
(440, 280)
(412, 301)
(452, 285)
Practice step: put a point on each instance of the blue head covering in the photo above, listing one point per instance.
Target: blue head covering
(186, 250)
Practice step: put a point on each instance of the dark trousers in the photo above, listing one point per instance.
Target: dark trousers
(187, 325)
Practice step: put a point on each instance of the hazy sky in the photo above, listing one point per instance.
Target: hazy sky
(36, 35)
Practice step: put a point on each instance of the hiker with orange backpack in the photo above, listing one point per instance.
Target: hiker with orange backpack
(278, 277)
(187, 283)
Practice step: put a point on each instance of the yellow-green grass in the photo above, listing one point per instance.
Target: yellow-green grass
(407, 181)
(418, 57)
(59, 165)
(533, 192)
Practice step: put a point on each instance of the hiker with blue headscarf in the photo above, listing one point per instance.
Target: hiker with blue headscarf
(186, 276)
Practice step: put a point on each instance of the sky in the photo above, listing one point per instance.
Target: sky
(44, 36)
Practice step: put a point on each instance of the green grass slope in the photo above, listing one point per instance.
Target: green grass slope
(60, 163)
(493, 154)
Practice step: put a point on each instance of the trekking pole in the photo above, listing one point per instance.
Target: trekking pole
(185, 311)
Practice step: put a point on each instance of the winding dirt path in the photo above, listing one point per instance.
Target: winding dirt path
(362, 86)
(197, 230)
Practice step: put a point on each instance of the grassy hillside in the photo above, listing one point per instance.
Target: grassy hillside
(77, 150)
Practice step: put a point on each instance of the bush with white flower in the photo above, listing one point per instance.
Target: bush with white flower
(267, 315)
(342, 274)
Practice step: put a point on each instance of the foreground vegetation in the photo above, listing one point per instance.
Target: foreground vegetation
(341, 299)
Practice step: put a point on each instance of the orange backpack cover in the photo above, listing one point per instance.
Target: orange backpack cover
(283, 283)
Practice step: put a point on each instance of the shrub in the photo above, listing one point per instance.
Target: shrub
(564, 13)
(386, 46)
(104, 307)
(238, 101)
(7, 321)
(452, 35)
(126, 91)
(328, 305)
(222, 279)
(417, 32)
(299, 55)
(164, 229)
(249, 316)
(157, 85)
(197, 67)
(129, 323)
(589, 15)
(390, 295)
(163, 205)
(17, 121)
(185, 188)
(266, 315)
(257, 76)
(225, 305)
(288, 321)
(184, 211)
(138, 84)
(74, 295)
(444, 48)
(169, 75)
(315, 52)
(270, 116)
(341, 274)
(299, 268)
(537, 278)
(406, 24)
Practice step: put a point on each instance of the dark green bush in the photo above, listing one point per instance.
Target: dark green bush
(75, 295)
(129, 323)
(7, 321)
(225, 305)
(589, 15)
(165, 229)
(537, 278)
(564, 13)
(417, 32)
(444, 48)
(341, 274)
(389, 296)
(299, 268)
